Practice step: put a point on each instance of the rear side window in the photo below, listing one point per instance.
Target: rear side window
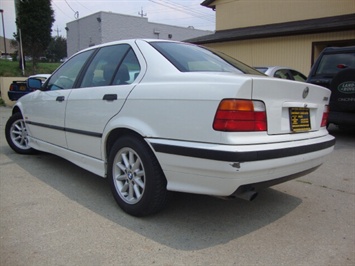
(192, 58)
(282, 74)
(112, 65)
(331, 64)
(298, 76)
(128, 70)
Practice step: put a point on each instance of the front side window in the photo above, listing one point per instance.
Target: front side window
(65, 76)
(192, 58)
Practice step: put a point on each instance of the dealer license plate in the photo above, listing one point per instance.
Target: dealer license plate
(22, 88)
(299, 119)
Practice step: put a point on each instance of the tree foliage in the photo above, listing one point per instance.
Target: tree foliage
(57, 49)
(35, 19)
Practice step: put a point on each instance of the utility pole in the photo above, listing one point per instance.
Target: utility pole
(3, 29)
(58, 30)
(22, 61)
(141, 13)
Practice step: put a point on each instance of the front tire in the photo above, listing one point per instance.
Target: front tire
(137, 182)
(16, 135)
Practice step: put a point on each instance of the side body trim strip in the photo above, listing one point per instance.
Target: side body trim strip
(237, 156)
(71, 130)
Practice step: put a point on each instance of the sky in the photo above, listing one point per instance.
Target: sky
(183, 13)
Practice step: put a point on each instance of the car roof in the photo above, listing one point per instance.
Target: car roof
(275, 67)
(40, 76)
(128, 41)
(339, 49)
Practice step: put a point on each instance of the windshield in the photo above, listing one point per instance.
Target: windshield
(192, 58)
(331, 64)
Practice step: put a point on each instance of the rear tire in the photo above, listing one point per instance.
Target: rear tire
(16, 135)
(341, 104)
(346, 75)
(137, 182)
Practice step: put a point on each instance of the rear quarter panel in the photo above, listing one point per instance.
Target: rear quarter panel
(180, 106)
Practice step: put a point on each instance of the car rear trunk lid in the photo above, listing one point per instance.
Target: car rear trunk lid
(291, 107)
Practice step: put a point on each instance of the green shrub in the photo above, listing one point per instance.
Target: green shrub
(2, 103)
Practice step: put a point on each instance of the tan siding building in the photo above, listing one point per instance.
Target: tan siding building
(283, 32)
(232, 14)
(9, 48)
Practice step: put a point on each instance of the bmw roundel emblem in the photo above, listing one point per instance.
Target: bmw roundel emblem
(305, 92)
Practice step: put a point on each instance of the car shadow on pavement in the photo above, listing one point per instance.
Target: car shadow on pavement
(343, 136)
(347, 132)
(190, 222)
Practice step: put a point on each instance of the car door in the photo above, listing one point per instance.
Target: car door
(102, 92)
(45, 117)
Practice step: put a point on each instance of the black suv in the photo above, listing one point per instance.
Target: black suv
(335, 70)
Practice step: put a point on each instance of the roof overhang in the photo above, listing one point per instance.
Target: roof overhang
(310, 26)
(208, 3)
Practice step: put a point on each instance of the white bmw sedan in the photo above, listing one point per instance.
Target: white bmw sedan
(157, 116)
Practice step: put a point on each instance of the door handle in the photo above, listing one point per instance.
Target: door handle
(60, 98)
(110, 97)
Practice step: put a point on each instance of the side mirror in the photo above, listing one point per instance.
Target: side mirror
(34, 84)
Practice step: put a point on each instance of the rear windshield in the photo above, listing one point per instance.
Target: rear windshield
(331, 64)
(192, 58)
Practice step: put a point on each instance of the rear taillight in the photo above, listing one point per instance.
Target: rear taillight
(325, 116)
(240, 115)
(11, 87)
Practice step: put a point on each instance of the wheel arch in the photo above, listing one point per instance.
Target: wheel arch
(123, 125)
(16, 109)
(115, 134)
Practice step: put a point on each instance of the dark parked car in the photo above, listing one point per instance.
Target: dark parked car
(335, 70)
(19, 88)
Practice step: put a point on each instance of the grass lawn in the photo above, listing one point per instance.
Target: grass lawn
(12, 69)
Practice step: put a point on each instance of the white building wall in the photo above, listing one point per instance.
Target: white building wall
(104, 27)
(82, 33)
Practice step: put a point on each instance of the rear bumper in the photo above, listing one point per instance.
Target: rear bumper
(221, 169)
(15, 95)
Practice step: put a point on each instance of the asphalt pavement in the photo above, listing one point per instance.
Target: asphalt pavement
(54, 213)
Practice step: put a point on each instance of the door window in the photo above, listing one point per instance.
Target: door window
(298, 76)
(128, 70)
(112, 65)
(283, 74)
(65, 76)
